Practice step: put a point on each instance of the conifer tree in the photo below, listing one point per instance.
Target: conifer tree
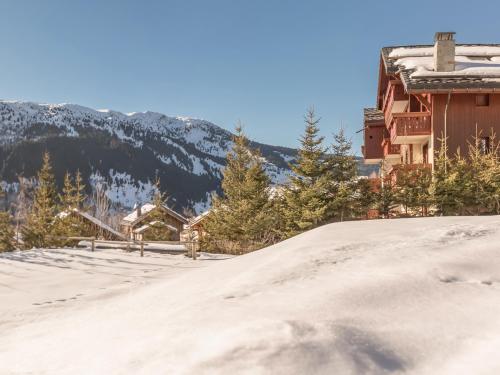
(385, 198)
(413, 189)
(482, 177)
(342, 167)
(307, 196)
(444, 183)
(240, 220)
(79, 197)
(365, 198)
(37, 230)
(158, 230)
(6, 230)
(67, 198)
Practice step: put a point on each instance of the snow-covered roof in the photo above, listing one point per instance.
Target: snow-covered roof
(199, 218)
(476, 67)
(146, 209)
(147, 226)
(92, 219)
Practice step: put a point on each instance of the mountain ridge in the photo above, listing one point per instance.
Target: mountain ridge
(127, 150)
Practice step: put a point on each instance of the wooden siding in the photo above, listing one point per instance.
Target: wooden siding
(374, 135)
(463, 115)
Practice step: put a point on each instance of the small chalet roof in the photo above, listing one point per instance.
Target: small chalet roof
(146, 209)
(94, 220)
(199, 218)
(373, 115)
(147, 226)
(477, 67)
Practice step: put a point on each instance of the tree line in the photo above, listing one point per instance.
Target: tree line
(325, 187)
(250, 213)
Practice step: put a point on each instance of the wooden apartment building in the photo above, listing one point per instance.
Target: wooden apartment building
(430, 92)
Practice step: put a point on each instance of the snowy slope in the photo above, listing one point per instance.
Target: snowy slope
(419, 296)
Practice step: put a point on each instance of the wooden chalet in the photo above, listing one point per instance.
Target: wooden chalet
(94, 226)
(427, 93)
(134, 225)
(195, 228)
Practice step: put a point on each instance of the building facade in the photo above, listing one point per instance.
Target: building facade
(428, 95)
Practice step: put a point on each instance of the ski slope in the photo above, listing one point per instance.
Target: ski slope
(417, 296)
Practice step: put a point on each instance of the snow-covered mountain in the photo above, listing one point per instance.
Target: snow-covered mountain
(127, 150)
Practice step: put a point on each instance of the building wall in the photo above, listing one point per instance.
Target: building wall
(463, 115)
(374, 136)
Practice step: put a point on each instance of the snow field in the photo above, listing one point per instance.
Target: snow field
(412, 296)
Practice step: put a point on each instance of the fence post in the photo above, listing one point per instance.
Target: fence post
(193, 250)
(142, 248)
(93, 244)
(128, 246)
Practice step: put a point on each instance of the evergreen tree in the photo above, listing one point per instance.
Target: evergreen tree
(6, 230)
(67, 198)
(37, 231)
(240, 220)
(307, 196)
(365, 198)
(482, 178)
(79, 197)
(385, 198)
(342, 167)
(158, 230)
(413, 189)
(444, 183)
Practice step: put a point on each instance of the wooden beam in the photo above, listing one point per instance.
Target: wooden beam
(422, 99)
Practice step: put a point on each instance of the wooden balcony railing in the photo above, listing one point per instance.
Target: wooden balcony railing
(410, 124)
(390, 149)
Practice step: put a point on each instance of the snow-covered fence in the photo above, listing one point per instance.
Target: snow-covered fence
(169, 246)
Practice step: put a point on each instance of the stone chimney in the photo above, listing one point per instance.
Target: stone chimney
(138, 210)
(444, 52)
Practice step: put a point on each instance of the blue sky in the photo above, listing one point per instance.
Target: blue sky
(263, 62)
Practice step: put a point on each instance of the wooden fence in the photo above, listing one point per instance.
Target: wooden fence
(190, 246)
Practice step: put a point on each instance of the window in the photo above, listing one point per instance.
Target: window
(485, 145)
(482, 100)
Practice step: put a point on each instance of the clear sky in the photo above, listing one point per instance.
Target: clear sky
(263, 62)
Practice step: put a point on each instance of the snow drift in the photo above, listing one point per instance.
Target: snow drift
(404, 296)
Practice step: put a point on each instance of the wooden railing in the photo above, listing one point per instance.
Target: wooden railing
(191, 246)
(410, 124)
(389, 148)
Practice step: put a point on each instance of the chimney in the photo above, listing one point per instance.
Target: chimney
(138, 210)
(444, 52)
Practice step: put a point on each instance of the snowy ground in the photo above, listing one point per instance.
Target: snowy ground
(418, 296)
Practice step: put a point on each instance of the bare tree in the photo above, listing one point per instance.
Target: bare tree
(101, 201)
(22, 204)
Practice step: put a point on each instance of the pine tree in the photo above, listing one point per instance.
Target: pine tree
(482, 181)
(37, 230)
(307, 196)
(385, 198)
(79, 197)
(240, 220)
(67, 198)
(444, 183)
(158, 230)
(342, 166)
(365, 198)
(6, 230)
(413, 189)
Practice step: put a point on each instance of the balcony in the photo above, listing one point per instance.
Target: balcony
(410, 127)
(390, 150)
